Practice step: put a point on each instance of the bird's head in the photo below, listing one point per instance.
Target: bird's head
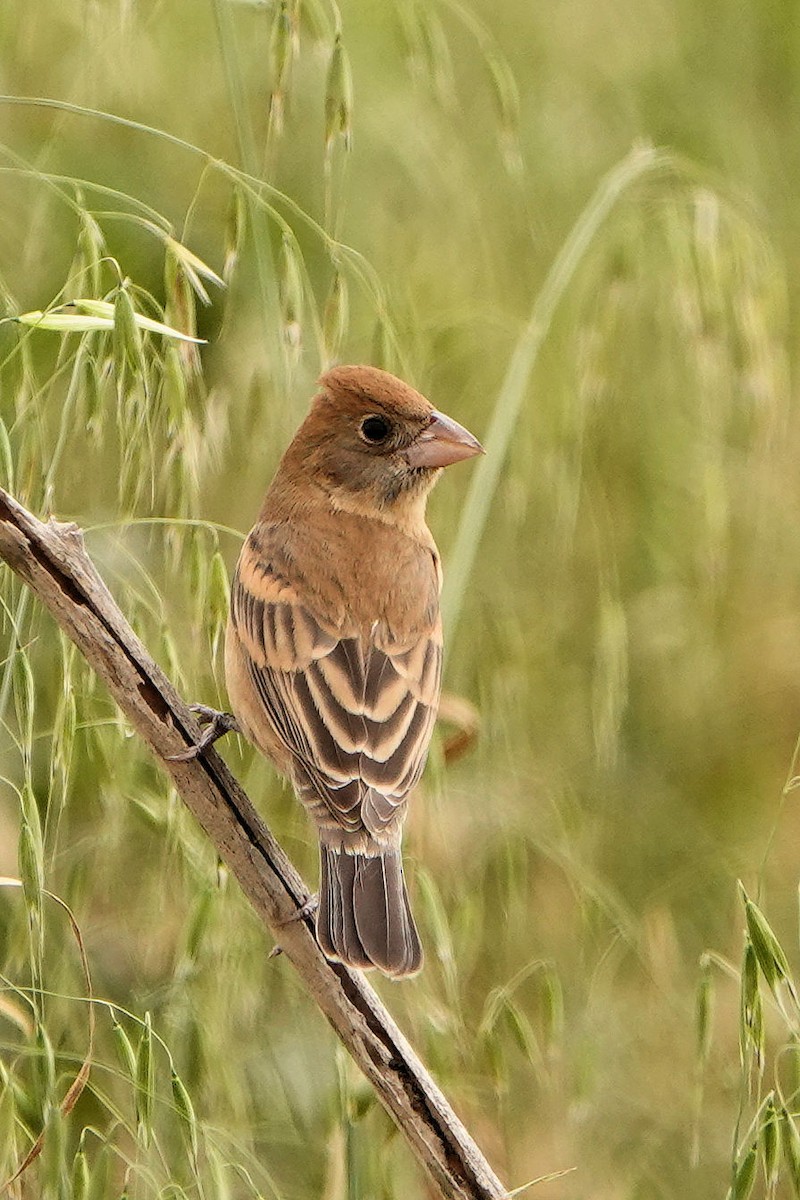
(374, 442)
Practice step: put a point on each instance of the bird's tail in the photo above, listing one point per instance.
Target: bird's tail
(364, 918)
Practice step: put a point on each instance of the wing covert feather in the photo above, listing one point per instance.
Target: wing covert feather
(354, 708)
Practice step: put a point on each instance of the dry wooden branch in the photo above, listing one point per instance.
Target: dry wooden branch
(52, 561)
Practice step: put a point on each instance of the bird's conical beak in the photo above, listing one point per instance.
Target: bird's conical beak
(443, 442)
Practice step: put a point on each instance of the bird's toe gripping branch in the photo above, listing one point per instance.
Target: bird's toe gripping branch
(217, 725)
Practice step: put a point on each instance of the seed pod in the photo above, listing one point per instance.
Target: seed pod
(90, 252)
(99, 1188)
(145, 1083)
(336, 316)
(522, 1033)
(749, 978)
(180, 288)
(182, 285)
(193, 268)
(767, 948)
(24, 701)
(338, 98)
(174, 390)
(185, 1108)
(54, 1157)
(770, 1134)
(80, 1175)
(290, 291)
(45, 1067)
(30, 875)
(31, 854)
(235, 229)
(127, 339)
(65, 727)
(94, 315)
(125, 1053)
(281, 51)
(92, 390)
(744, 1174)
(63, 743)
(752, 1021)
(704, 1010)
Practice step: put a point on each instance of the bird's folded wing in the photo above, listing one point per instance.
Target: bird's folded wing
(355, 711)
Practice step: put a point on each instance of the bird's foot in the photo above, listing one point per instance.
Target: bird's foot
(305, 910)
(217, 725)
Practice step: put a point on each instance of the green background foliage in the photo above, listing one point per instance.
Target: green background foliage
(467, 195)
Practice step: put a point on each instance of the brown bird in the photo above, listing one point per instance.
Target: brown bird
(334, 645)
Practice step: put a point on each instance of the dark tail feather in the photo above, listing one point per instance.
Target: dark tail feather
(364, 918)
(336, 925)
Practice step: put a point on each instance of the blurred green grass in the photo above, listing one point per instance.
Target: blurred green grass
(628, 630)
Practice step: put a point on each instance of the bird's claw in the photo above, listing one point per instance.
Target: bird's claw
(305, 910)
(217, 725)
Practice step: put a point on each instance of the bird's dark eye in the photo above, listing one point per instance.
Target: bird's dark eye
(375, 430)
